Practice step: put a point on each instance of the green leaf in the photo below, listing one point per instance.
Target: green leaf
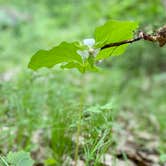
(82, 68)
(50, 161)
(91, 60)
(65, 52)
(112, 32)
(77, 55)
(163, 158)
(105, 53)
(91, 68)
(19, 159)
(71, 65)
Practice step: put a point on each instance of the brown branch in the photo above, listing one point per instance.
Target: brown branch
(121, 43)
(159, 37)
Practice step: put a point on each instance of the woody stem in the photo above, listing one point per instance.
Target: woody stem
(141, 36)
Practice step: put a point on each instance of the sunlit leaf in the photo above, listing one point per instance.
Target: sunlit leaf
(65, 52)
(71, 65)
(112, 32)
(105, 53)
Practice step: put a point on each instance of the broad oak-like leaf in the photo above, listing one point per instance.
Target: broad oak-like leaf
(63, 53)
(111, 32)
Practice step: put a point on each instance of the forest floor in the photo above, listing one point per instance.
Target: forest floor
(137, 132)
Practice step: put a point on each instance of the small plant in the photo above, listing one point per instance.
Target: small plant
(85, 55)
(112, 38)
(16, 159)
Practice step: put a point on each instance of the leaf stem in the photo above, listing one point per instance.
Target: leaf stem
(120, 43)
(79, 120)
(159, 37)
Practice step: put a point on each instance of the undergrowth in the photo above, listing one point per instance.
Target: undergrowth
(39, 112)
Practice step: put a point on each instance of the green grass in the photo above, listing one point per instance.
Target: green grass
(45, 102)
(42, 110)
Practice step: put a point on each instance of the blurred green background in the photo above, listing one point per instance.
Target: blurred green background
(45, 103)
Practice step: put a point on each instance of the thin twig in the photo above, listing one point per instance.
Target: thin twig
(121, 43)
(159, 37)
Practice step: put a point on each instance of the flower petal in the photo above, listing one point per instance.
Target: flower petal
(84, 54)
(89, 42)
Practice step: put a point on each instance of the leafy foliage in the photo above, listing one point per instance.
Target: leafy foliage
(83, 56)
(112, 32)
(17, 159)
(65, 52)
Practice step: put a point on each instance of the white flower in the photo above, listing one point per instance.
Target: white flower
(89, 42)
(84, 54)
(90, 51)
